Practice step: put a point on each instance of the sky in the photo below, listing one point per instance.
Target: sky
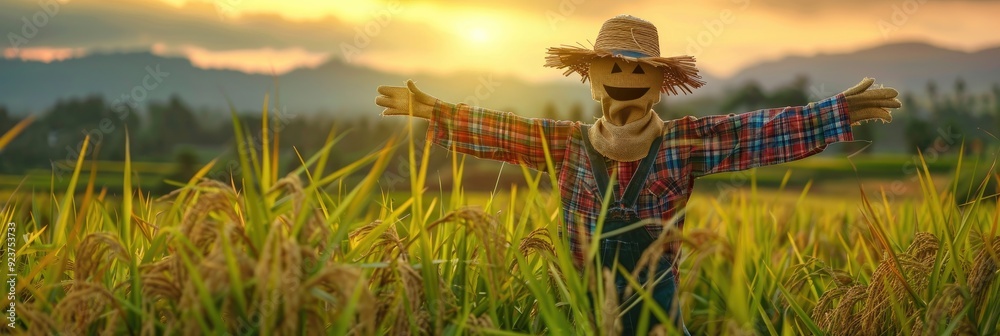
(500, 37)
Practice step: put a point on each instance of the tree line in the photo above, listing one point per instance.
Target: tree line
(174, 131)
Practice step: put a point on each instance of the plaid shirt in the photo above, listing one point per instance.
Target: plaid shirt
(692, 147)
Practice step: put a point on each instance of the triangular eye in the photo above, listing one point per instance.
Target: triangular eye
(638, 70)
(616, 69)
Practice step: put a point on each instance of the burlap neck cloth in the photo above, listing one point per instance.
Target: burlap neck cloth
(628, 142)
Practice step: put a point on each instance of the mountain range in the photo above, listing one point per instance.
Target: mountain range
(340, 88)
(905, 66)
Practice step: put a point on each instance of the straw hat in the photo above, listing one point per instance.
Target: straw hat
(633, 39)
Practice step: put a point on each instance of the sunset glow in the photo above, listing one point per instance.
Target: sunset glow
(44, 55)
(262, 61)
(445, 36)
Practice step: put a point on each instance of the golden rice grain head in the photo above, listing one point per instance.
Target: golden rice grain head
(842, 277)
(844, 319)
(876, 314)
(983, 273)
(535, 242)
(196, 225)
(478, 323)
(314, 230)
(290, 282)
(95, 254)
(205, 184)
(735, 328)
(610, 323)
(163, 279)
(412, 280)
(362, 232)
(823, 312)
(82, 306)
(924, 247)
(801, 274)
(341, 281)
(37, 321)
(941, 309)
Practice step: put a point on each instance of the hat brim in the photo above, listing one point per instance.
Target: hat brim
(679, 72)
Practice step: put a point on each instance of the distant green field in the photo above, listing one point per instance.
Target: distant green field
(816, 169)
(337, 251)
(819, 168)
(108, 174)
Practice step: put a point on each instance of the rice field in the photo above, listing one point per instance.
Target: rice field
(313, 252)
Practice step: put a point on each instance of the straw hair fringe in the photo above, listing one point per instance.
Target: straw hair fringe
(628, 33)
(679, 72)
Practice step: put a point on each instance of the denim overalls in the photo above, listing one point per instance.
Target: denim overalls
(629, 246)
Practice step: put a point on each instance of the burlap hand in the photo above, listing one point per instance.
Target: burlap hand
(864, 104)
(398, 100)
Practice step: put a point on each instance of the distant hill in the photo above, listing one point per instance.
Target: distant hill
(905, 66)
(333, 87)
(345, 89)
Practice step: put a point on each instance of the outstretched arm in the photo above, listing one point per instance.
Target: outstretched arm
(772, 136)
(480, 132)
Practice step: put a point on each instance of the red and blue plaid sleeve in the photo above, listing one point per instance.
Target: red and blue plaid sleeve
(765, 137)
(501, 136)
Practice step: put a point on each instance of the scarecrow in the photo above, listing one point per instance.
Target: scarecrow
(647, 165)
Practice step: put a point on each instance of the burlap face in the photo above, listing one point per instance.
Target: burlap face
(624, 86)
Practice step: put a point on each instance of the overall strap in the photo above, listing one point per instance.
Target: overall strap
(600, 171)
(597, 166)
(634, 188)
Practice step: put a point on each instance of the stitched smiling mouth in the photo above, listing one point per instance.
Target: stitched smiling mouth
(623, 94)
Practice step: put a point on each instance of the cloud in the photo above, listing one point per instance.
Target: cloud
(98, 24)
(207, 34)
(842, 8)
(261, 61)
(44, 55)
